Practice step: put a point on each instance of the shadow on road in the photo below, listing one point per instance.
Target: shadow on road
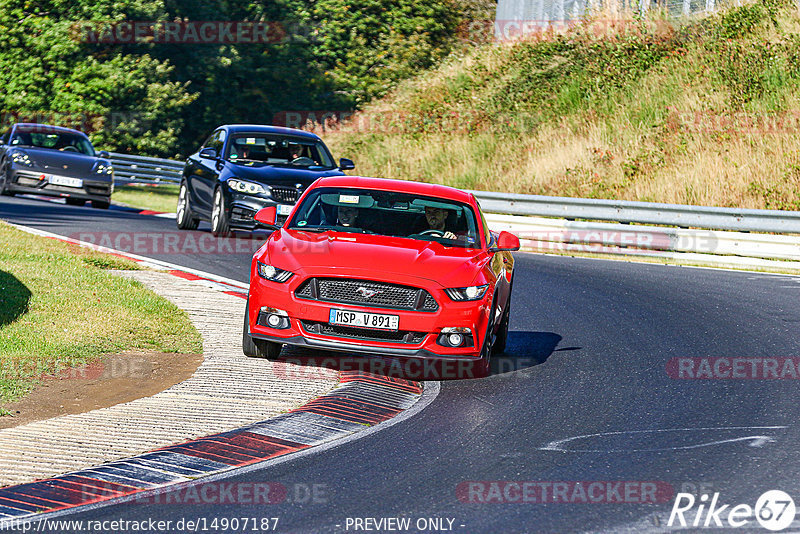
(523, 351)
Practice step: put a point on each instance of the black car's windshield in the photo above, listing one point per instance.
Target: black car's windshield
(252, 148)
(52, 139)
(387, 213)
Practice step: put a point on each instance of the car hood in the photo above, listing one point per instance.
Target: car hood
(57, 162)
(365, 255)
(271, 174)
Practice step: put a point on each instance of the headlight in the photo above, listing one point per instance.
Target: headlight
(21, 158)
(246, 187)
(102, 168)
(467, 293)
(272, 273)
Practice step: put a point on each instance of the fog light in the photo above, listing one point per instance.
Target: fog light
(455, 336)
(273, 318)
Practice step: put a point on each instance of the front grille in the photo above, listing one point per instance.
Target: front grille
(400, 336)
(367, 293)
(284, 194)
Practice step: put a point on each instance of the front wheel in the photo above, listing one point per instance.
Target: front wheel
(257, 348)
(4, 190)
(183, 214)
(101, 204)
(502, 334)
(220, 223)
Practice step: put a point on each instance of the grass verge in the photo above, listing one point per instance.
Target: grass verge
(163, 198)
(61, 308)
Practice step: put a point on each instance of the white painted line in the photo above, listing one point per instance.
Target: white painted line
(755, 441)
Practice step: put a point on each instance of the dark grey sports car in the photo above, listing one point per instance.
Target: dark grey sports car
(50, 160)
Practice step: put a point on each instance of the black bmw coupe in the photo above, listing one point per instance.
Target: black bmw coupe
(53, 161)
(242, 168)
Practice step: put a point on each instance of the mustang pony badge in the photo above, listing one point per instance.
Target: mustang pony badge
(366, 293)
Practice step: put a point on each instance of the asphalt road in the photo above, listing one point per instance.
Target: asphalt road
(587, 359)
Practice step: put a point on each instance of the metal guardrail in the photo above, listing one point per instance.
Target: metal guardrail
(130, 169)
(143, 170)
(682, 216)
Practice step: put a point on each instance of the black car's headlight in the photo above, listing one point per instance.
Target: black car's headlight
(272, 273)
(467, 293)
(103, 168)
(21, 158)
(242, 186)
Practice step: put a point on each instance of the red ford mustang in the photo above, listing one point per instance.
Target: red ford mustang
(385, 267)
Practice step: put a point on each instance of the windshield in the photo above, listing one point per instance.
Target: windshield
(251, 148)
(54, 140)
(387, 213)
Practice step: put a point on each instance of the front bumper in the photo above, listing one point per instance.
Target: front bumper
(244, 207)
(31, 181)
(417, 333)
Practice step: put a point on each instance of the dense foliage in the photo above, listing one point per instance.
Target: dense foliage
(162, 98)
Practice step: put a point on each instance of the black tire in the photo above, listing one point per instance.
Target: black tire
(258, 348)
(183, 213)
(220, 220)
(75, 201)
(502, 334)
(101, 204)
(4, 190)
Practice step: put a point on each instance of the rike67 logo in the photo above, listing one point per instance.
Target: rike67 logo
(774, 510)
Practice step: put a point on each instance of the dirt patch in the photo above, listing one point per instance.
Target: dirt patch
(112, 380)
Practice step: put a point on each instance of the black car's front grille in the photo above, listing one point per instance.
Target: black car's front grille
(284, 194)
(367, 293)
(370, 334)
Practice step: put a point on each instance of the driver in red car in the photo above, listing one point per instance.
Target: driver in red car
(437, 220)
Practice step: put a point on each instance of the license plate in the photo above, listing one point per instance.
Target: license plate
(63, 180)
(364, 319)
(283, 209)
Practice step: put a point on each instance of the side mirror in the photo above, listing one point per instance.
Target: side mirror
(506, 241)
(346, 164)
(103, 154)
(208, 153)
(267, 216)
